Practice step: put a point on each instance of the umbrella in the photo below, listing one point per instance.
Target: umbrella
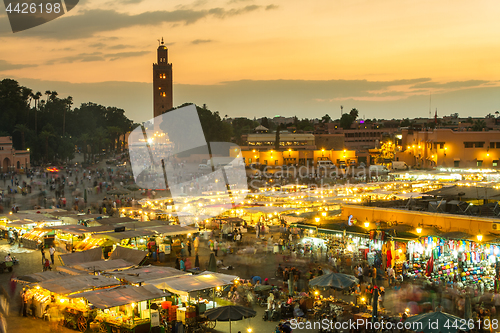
(436, 322)
(230, 313)
(132, 187)
(212, 263)
(118, 192)
(334, 280)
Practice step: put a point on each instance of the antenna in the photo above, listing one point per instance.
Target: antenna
(341, 110)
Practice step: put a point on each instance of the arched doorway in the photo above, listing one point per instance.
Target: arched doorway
(18, 165)
(6, 164)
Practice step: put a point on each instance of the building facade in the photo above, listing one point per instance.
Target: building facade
(12, 159)
(449, 148)
(287, 140)
(162, 82)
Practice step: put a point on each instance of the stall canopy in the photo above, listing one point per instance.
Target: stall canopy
(119, 236)
(183, 285)
(170, 230)
(80, 230)
(39, 277)
(122, 295)
(115, 220)
(65, 285)
(72, 259)
(266, 209)
(29, 218)
(147, 273)
(467, 192)
(224, 277)
(129, 255)
(103, 265)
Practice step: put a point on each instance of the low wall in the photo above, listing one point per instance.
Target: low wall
(447, 222)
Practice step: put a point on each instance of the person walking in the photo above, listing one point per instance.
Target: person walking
(24, 303)
(196, 244)
(216, 247)
(52, 251)
(182, 265)
(189, 247)
(42, 250)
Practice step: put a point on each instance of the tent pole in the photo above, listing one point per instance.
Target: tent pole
(213, 299)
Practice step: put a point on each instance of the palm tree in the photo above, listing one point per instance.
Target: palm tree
(36, 97)
(479, 125)
(21, 128)
(84, 139)
(53, 95)
(45, 135)
(69, 102)
(114, 134)
(48, 92)
(99, 135)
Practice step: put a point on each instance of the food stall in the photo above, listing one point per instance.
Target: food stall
(125, 308)
(34, 239)
(56, 293)
(186, 286)
(77, 237)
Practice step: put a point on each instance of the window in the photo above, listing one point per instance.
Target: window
(164, 76)
(456, 164)
(495, 163)
(249, 160)
(275, 162)
(265, 162)
(479, 144)
(479, 163)
(492, 144)
(164, 94)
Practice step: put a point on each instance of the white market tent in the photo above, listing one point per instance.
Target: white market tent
(40, 277)
(103, 265)
(267, 209)
(122, 295)
(183, 285)
(146, 273)
(65, 285)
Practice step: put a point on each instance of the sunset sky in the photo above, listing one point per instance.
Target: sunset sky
(269, 57)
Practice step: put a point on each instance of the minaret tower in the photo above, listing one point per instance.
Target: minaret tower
(162, 82)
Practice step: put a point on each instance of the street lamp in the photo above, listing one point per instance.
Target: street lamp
(316, 219)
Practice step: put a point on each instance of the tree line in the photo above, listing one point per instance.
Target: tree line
(53, 131)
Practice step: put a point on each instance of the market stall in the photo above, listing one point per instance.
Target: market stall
(55, 292)
(125, 308)
(188, 287)
(141, 275)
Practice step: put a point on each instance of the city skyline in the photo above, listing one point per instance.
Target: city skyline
(265, 58)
